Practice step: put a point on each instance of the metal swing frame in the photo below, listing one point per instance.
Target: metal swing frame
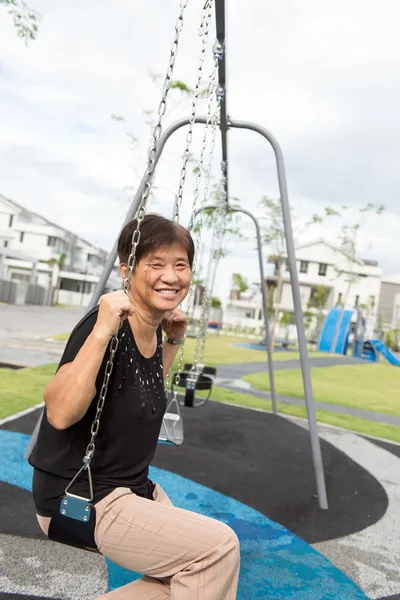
(304, 361)
(225, 124)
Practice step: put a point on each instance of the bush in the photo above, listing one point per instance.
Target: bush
(392, 339)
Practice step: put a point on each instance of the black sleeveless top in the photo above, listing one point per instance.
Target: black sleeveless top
(129, 427)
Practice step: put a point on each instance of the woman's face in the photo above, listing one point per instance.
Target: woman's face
(161, 279)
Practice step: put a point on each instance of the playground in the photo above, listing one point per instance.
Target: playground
(287, 526)
(293, 444)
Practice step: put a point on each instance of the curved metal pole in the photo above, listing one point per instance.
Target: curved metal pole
(112, 257)
(305, 366)
(263, 292)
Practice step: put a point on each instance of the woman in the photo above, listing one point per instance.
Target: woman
(181, 554)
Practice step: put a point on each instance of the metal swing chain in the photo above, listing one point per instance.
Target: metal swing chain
(214, 257)
(207, 13)
(218, 52)
(211, 122)
(90, 450)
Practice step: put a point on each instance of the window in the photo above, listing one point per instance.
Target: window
(5, 243)
(20, 277)
(21, 236)
(10, 222)
(322, 269)
(303, 266)
(339, 300)
(51, 241)
(357, 301)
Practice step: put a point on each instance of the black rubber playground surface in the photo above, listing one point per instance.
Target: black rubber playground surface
(251, 469)
(257, 458)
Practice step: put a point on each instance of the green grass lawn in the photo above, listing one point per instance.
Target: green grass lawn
(363, 426)
(61, 337)
(374, 386)
(22, 388)
(222, 350)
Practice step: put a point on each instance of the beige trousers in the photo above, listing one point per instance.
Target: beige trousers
(182, 555)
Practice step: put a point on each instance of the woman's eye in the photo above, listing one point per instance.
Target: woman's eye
(156, 265)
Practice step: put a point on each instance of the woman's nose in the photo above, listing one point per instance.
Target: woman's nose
(169, 275)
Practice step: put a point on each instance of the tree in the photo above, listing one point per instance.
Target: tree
(320, 299)
(239, 283)
(285, 321)
(271, 292)
(231, 230)
(215, 302)
(26, 20)
(59, 264)
(274, 237)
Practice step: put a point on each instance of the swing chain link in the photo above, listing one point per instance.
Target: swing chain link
(213, 261)
(203, 33)
(153, 151)
(90, 450)
(200, 346)
(212, 121)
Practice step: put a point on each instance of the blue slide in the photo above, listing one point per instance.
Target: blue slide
(384, 350)
(329, 331)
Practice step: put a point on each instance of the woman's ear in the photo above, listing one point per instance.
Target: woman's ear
(122, 270)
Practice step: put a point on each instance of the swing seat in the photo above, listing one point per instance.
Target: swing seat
(171, 429)
(73, 523)
(200, 378)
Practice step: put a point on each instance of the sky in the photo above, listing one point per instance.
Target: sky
(322, 77)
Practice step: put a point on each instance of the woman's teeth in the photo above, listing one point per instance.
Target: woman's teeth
(167, 292)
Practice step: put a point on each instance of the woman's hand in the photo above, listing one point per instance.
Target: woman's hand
(174, 324)
(114, 308)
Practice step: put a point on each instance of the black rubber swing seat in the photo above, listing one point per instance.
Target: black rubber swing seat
(195, 379)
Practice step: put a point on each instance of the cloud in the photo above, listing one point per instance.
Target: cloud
(322, 78)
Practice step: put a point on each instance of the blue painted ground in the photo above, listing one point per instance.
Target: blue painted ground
(274, 562)
(260, 347)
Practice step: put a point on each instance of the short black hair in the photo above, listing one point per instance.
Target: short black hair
(156, 231)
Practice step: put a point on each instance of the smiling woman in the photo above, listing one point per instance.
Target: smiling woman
(114, 499)
(164, 259)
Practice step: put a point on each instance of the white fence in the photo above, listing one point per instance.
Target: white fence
(73, 298)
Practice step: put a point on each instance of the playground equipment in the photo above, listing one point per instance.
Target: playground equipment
(137, 208)
(338, 325)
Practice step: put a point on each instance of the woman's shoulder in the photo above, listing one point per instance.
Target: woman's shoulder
(78, 336)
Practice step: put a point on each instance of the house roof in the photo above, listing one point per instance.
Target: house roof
(17, 255)
(362, 261)
(21, 207)
(391, 278)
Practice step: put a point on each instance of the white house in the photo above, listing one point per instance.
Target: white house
(28, 241)
(318, 263)
(389, 301)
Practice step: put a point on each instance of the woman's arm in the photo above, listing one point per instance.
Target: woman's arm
(174, 325)
(69, 394)
(169, 351)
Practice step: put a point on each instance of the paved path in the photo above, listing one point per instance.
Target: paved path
(242, 369)
(335, 408)
(34, 322)
(24, 333)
